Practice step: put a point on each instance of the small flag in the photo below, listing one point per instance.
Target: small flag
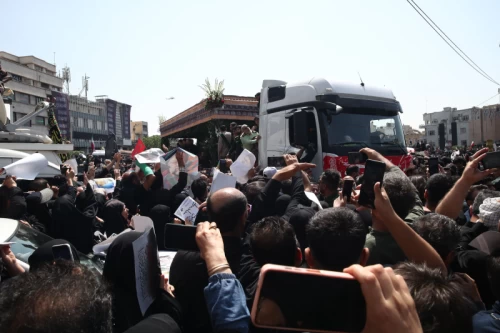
(139, 148)
(92, 145)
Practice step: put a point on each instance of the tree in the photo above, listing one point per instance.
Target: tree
(152, 141)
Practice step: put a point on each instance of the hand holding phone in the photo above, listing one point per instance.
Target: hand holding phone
(374, 173)
(62, 251)
(180, 237)
(347, 189)
(491, 160)
(356, 158)
(211, 245)
(433, 165)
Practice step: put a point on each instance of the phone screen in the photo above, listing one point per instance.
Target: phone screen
(63, 169)
(62, 251)
(180, 237)
(310, 302)
(433, 165)
(491, 160)
(374, 172)
(223, 166)
(347, 189)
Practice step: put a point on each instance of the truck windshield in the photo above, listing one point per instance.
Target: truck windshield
(351, 131)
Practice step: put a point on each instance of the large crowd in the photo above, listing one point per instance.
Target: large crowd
(427, 256)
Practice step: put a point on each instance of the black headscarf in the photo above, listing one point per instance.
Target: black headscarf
(114, 222)
(299, 220)
(43, 254)
(156, 323)
(119, 272)
(17, 206)
(160, 214)
(281, 204)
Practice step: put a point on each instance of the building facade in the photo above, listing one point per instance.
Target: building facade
(138, 130)
(485, 124)
(118, 121)
(412, 136)
(33, 79)
(447, 117)
(234, 108)
(88, 121)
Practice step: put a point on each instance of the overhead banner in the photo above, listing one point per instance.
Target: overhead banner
(62, 113)
(126, 121)
(111, 112)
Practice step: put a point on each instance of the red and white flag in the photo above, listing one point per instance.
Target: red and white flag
(139, 148)
(92, 145)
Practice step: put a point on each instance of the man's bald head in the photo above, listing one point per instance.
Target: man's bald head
(227, 208)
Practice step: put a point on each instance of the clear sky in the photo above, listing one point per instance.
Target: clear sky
(140, 52)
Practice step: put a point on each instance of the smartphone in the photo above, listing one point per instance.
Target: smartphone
(491, 160)
(222, 166)
(308, 300)
(62, 251)
(180, 237)
(347, 189)
(433, 165)
(356, 158)
(374, 172)
(64, 169)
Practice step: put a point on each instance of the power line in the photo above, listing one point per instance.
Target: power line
(489, 99)
(452, 41)
(486, 76)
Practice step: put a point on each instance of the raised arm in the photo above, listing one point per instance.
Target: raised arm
(451, 205)
(414, 247)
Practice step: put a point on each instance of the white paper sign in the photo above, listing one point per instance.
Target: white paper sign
(187, 210)
(142, 223)
(107, 184)
(146, 293)
(311, 196)
(103, 246)
(149, 156)
(221, 180)
(166, 258)
(28, 167)
(170, 168)
(242, 165)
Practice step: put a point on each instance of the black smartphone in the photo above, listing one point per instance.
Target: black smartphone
(62, 251)
(64, 169)
(223, 166)
(357, 157)
(180, 237)
(284, 300)
(433, 165)
(374, 172)
(347, 189)
(491, 160)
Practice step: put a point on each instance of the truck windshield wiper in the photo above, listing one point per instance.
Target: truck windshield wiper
(350, 143)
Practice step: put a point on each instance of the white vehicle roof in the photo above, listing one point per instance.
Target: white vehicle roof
(8, 156)
(305, 91)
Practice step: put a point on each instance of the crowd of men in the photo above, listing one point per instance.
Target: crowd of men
(427, 256)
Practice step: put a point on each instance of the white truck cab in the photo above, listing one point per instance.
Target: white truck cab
(330, 119)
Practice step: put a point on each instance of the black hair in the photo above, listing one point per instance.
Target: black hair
(481, 196)
(420, 182)
(401, 193)
(473, 189)
(59, 180)
(286, 187)
(437, 187)
(38, 184)
(336, 238)
(199, 189)
(253, 189)
(351, 169)
(459, 160)
(230, 212)
(273, 241)
(60, 297)
(441, 303)
(441, 232)
(223, 128)
(331, 178)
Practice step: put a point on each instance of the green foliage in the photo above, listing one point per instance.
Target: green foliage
(215, 94)
(152, 141)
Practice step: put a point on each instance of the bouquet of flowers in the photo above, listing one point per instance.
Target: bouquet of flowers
(214, 95)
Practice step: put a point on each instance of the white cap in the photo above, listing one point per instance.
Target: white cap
(489, 212)
(269, 172)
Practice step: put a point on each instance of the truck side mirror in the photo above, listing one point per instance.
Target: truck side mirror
(300, 133)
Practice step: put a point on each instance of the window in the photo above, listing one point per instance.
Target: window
(17, 78)
(44, 85)
(72, 120)
(18, 116)
(79, 122)
(32, 100)
(39, 99)
(91, 123)
(99, 125)
(431, 133)
(450, 131)
(39, 68)
(463, 130)
(465, 118)
(21, 97)
(40, 120)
